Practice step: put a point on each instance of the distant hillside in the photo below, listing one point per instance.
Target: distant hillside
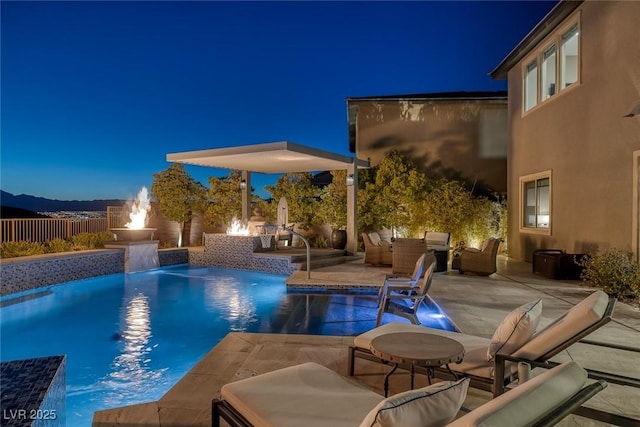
(40, 204)
(7, 212)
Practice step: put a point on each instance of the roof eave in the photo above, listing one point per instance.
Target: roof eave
(554, 18)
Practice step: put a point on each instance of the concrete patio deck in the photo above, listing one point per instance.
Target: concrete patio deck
(476, 304)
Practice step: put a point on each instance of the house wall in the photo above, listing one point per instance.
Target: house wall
(456, 139)
(582, 137)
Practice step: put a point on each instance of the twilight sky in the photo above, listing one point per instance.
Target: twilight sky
(95, 94)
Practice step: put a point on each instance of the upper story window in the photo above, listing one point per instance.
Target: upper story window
(569, 55)
(531, 86)
(556, 65)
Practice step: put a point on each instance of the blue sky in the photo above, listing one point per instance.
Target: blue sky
(95, 94)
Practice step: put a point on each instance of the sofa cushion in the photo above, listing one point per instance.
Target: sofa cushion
(431, 406)
(516, 329)
(375, 239)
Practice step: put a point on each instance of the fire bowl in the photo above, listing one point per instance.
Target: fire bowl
(133, 235)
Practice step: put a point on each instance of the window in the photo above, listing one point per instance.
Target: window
(553, 68)
(531, 86)
(549, 72)
(569, 55)
(536, 202)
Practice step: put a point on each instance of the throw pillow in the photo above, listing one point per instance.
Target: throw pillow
(516, 329)
(431, 406)
(375, 239)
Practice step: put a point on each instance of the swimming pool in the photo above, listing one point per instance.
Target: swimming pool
(130, 337)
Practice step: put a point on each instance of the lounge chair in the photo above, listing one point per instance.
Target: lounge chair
(312, 395)
(514, 337)
(403, 280)
(404, 300)
(479, 261)
(376, 250)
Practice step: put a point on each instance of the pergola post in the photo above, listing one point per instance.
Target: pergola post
(246, 196)
(352, 208)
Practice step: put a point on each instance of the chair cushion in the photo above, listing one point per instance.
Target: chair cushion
(580, 317)
(435, 238)
(516, 329)
(375, 239)
(431, 406)
(528, 402)
(307, 395)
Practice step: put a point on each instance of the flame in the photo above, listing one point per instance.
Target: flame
(237, 228)
(139, 209)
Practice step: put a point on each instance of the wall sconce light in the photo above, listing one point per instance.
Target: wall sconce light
(349, 180)
(243, 185)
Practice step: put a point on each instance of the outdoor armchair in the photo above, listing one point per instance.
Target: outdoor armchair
(376, 250)
(479, 261)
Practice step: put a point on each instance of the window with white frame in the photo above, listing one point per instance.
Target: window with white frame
(559, 62)
(531, 86)
(548, 72)
(535, 195)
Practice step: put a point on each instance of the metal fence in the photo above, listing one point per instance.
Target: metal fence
(44, 229)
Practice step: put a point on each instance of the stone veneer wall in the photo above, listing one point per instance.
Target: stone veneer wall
(242, 253)
(26, 273)
(173, 256)
(34, 392)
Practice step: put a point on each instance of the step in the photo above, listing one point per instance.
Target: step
(327, 261)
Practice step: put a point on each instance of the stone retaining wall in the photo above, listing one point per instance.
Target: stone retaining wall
(26, 273)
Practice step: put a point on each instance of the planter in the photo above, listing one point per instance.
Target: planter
(339, 239)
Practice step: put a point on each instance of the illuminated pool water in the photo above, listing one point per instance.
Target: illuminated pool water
(130, 337)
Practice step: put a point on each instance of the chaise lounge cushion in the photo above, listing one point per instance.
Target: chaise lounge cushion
(516, 329)
(580, 317)
(303, 395)
(523, 405)
(431, 406)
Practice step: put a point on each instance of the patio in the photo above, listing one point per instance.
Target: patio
(240, 355)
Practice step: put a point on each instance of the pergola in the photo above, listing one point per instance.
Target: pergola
(280, 157)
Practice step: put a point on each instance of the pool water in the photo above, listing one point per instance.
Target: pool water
(130, 337)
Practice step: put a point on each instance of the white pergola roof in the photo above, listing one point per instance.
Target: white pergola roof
(272, 157)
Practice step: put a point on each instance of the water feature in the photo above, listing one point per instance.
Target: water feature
(140, 250)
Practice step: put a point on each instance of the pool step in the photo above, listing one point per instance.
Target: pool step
(324, 260)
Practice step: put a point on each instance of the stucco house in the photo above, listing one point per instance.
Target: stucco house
(574, 141)
(460, 135)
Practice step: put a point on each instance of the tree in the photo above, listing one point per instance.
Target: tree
(225, 196)
(302, 198)
(333, 209)
(178, 195)
(395, 194)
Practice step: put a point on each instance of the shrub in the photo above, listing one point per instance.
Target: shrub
(613, 271)
(85, 241)
(22, 248)
(58, 245)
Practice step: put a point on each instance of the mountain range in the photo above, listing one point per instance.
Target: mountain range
(41, 204)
